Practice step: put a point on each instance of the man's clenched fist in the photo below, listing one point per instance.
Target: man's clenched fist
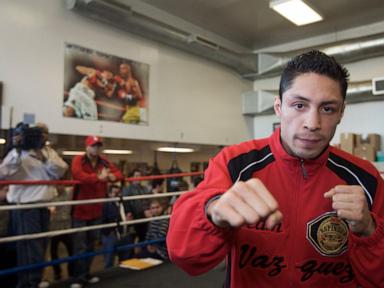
(245, 203)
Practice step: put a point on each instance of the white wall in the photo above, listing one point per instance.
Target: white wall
(361, 118)
(367, 117)
(191, 99)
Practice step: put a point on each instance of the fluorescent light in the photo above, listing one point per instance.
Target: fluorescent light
(121, 152)
(73, 153)
(175, 149)
(2, 141)
(295, 11)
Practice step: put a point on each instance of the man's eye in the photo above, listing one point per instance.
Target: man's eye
(299, 106)
(328, 109)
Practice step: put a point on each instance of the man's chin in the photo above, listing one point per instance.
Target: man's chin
(307, 155)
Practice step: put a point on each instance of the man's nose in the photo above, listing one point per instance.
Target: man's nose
(313, 120)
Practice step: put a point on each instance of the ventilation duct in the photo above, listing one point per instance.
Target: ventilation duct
(250, 66)
(272, 64)
(359, 92)
(260, 102)
(124, 17)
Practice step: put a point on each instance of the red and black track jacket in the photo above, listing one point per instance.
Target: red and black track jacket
(312, 247)
(91, 187)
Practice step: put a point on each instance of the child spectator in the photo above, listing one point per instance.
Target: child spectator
(157, 187)
(110, 236)
(157, 229)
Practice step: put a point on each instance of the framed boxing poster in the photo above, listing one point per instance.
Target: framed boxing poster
(100, 86)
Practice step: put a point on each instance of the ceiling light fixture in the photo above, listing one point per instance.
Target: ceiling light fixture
(295, 11)
(2, 141)
(175, 149)
(120, 152)
(72, 153)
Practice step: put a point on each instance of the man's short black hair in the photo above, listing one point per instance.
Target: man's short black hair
(113, 186)
(316, 62)
(156, 182)
(134, 171)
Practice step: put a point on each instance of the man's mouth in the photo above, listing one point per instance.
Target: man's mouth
(309, 140)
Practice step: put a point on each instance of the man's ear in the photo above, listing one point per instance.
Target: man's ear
(277, 106)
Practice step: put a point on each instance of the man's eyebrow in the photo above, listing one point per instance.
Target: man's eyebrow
(330, 102)
(299, 97)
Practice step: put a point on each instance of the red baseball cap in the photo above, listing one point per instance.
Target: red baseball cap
(92, 140)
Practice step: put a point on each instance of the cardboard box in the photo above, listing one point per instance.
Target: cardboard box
(372, 139)
(347, 142)
(380, 156)
(365, 151)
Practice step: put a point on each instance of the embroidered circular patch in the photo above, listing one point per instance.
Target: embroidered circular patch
(328, 234)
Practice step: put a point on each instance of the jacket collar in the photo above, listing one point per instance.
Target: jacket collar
(281, 154)
(100, 161)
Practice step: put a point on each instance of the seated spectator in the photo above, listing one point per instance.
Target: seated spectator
(157, 229)
(157, 187)
(182, 186)
(197, 180)
(136, 209)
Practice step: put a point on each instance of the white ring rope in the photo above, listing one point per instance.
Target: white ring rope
(81, 229)
(89, 201)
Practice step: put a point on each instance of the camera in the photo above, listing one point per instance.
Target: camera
(31, 137)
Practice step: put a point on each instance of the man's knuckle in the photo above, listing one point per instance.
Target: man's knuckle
(239, 185)
(255, 218)
(264, 211)
(274, 206)
(236, 221)
(361, 197)
(254, 181)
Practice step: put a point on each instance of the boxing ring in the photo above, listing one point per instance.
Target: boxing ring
(164, 275)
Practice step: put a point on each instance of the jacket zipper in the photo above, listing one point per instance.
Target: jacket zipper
(297, 210)
(303, 169)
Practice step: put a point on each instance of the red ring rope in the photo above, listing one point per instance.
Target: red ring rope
(73, 182)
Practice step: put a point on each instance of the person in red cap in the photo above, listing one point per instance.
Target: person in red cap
(94, 171)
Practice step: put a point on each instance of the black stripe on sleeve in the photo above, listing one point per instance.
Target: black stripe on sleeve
(243, 166)
(353, 175)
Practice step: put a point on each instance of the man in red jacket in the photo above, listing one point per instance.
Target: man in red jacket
(94, 171)
(288, 210)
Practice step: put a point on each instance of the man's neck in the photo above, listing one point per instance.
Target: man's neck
(92, 158)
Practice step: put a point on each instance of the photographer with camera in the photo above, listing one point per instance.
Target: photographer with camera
(29, 159)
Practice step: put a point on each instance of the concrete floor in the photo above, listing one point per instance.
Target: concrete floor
(166, 275)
